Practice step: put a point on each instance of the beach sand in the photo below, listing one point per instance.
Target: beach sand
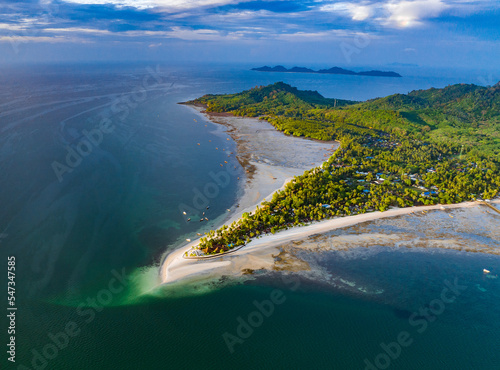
(261, 253)
(271, 159)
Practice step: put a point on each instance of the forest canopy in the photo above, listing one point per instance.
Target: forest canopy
(427, 147)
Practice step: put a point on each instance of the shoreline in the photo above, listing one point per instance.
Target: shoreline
(176, 267)
(268, 170)
(265, 171)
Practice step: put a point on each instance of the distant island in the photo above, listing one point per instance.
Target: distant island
(331, 71)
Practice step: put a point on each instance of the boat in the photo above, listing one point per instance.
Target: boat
(486, 271)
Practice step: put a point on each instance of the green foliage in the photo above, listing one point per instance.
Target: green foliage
(277, 99)
(427, 147)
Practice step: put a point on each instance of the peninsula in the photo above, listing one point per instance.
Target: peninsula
(430, 147)
(331, 71)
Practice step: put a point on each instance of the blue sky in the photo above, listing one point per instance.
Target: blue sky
(461, 33)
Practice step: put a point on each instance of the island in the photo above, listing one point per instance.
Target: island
(331, 71)
(427, 148)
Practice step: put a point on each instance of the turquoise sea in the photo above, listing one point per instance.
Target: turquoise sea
(88, 226)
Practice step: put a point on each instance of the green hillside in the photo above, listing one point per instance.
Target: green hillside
(462, 114)
(277, 99)
(428, 147)
(467, 115)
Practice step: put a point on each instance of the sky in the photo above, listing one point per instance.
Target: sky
(462, 33)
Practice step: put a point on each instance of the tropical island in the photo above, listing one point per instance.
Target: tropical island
(429, 147)
(331, 71)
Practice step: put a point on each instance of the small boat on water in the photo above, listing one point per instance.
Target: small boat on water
(184, 212)
(189, 219)
(188, 240)
(486, 271)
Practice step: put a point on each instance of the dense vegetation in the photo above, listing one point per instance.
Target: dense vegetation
(427, 147)
(278, 99)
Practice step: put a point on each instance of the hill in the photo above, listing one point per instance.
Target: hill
(463, 114)
(427, 147)
(277, 99)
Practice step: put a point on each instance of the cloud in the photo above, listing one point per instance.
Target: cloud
(17, 39)
(357, 12)
(219, 20)
(172, 5)
(392, 13)
(412, 13)
(92, 31)
(11, 27)
(322, 35)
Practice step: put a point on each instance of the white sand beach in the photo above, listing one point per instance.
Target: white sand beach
(270, 167)
(258, 254)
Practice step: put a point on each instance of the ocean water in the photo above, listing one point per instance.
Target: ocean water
(88, 225)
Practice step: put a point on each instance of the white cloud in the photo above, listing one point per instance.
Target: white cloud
(45, 39)
(320, 35)
(93, 31)
(165, 4)
(393, 13)
(11, 27)
(183, 34)
(357, 12)
(412, 13)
